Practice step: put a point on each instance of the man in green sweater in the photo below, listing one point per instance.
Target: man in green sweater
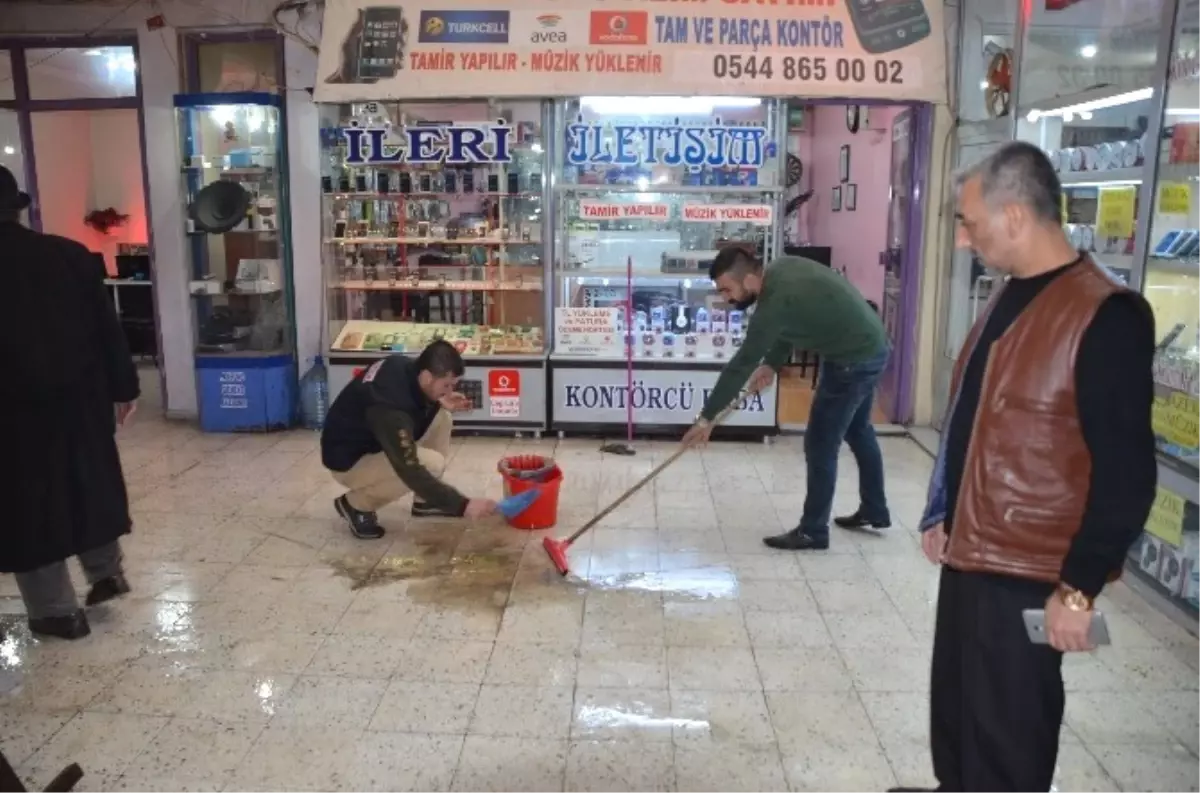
(801, 304)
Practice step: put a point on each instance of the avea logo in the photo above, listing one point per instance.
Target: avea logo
(548, 34)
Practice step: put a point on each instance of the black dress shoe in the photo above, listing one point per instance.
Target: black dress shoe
(106, 589)
(857, 521)
(72, 626)
(796, 540)
(363, 525)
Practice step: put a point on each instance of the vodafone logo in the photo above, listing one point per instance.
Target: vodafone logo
(504, 383)
(619, 27)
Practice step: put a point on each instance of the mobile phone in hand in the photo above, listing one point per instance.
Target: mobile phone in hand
(1035, 626)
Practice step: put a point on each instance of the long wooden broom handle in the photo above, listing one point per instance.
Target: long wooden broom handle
(658, 469)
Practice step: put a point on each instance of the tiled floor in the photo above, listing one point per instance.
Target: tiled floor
(264, 648)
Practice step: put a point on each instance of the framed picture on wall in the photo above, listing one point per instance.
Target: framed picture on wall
(837, 199)
(851, 197)
(844, 163)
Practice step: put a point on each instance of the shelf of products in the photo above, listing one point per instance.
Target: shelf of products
(432, 229)
(1097, 142)
(1167, 556)
(639, 220)
(233, 184)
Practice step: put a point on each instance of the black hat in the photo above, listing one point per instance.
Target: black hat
(12, 199)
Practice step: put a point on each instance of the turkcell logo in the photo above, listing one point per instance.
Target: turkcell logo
(463, 27)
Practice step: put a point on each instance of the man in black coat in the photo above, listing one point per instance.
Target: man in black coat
(69, 382)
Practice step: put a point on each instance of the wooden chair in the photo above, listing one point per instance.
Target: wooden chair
(65, 781)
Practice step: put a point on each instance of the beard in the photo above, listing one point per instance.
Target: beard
(745, 303)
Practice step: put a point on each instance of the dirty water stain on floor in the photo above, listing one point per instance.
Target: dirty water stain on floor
(435, 574)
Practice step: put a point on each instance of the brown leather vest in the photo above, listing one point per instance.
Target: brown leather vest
(1027, 469)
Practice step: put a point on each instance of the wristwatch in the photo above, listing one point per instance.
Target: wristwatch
(1073, 599)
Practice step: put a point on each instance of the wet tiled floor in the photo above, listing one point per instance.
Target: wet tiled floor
(264, 648)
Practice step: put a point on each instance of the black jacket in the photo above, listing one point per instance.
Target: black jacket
(67, 363)
(384, 410)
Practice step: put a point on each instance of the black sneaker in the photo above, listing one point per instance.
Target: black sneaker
(857, 521)
(72, 626)
(106, 589)
(363, 525)
(796, 540)
(422, 510)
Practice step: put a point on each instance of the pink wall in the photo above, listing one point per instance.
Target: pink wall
(87, 160)
(857, 237)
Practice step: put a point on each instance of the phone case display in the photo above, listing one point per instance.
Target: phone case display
(646, 261)
(1166, 554)
(1099, 154)
(433, 229)
(1172, 281)
(645, 201)
(234, 187)
(433, 218)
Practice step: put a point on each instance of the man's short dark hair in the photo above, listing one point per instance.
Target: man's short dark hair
(441, 359)
(1020, 172)
(733, 259)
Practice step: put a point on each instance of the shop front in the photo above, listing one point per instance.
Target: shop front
(621, 149)
(1109, 91)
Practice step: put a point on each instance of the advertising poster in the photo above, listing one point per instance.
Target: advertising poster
(887, 49)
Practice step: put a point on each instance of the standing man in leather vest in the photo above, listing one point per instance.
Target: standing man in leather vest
(1044, 479)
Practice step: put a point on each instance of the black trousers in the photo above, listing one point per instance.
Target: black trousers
(996, 703)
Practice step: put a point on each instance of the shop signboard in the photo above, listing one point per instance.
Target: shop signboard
(666, 396)
(754, 214)
(376, 49)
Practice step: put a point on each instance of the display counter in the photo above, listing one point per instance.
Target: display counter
(432, 229)
(647, 193)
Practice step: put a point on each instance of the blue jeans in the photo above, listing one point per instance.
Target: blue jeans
(841, 410)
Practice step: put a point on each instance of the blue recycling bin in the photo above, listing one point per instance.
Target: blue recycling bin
(246, 394)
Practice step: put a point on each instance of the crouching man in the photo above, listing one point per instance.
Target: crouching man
(388, 434)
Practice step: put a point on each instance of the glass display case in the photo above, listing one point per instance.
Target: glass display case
(648, 190)
(233, 163)
(433, 217)
(1167, 556)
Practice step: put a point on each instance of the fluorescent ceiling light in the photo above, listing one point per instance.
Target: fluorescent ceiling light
(1088, 50)
(10, 150)
(1183, 111)
(1096, 104)
(1103, 183)
(664, 105)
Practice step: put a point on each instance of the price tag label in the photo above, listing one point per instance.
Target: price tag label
(1115, 212)
(1166, 518)
(1174, 198)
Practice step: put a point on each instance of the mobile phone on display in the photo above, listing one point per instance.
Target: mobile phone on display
(1035, 627)
(1167, 242)
(1191, 247)
(379, 43)
(887, 25)
(1182, 243)
(1170, 338)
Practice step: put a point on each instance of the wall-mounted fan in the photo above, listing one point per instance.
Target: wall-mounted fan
(795, 172)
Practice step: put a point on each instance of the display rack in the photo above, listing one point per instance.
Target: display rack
(233, 173)
(636, 317)
(428, 236)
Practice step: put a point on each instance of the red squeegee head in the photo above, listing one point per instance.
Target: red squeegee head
(557, 551)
